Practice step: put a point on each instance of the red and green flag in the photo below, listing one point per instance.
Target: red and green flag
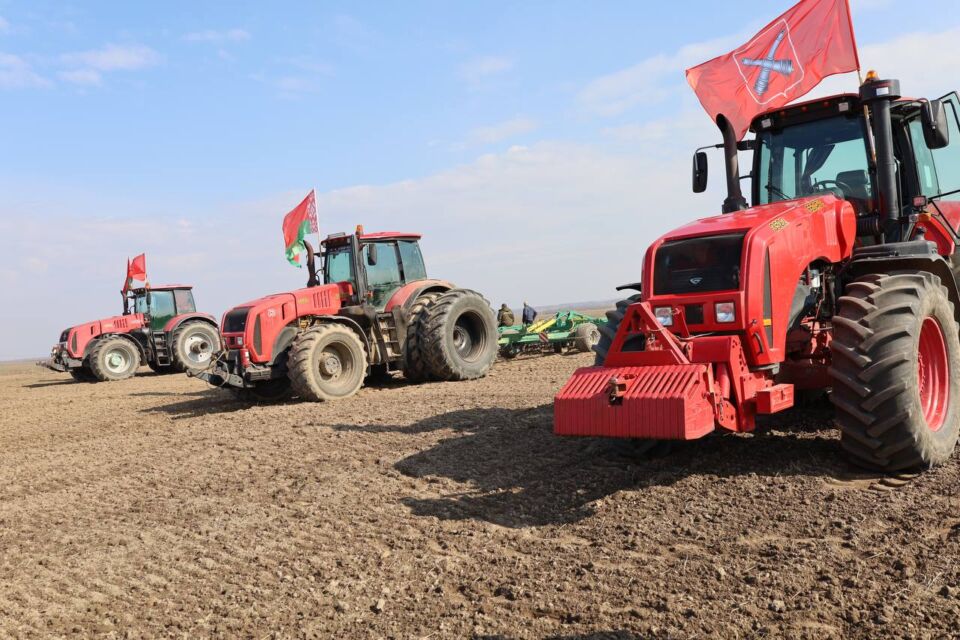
(136, 270)
(297, 224)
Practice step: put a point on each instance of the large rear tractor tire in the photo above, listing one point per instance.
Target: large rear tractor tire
(414, 365)
(327, 362)
(896, 371)
(193, 344)
(459, 336)
(82, 374)
(586, 337)
(113, 358)
(609, 330)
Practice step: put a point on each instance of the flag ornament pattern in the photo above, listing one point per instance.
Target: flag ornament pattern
(296, 225)
(784, 61)
(136, 270)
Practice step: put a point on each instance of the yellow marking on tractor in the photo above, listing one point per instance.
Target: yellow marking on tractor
(814, 205)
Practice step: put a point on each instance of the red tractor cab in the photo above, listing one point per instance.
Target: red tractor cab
(375, 313)
(841, 276)
(160, 327)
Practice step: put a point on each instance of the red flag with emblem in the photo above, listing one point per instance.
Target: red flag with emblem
(136, 270)
(297, 224)
(784, 61)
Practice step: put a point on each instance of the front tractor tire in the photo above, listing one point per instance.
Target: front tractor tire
(459, 336)
(193, 345)
(608, 331)
(113, 358)
(896, 371)
(327, 362)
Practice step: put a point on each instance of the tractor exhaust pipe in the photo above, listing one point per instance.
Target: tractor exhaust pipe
(734, 200)
(879, 95)
(312, 280)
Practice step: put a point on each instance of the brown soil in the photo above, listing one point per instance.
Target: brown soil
(158, 506)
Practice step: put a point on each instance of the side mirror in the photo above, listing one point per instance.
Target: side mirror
(700, 172)
(936, 131)
(148, 299)
(372, 254)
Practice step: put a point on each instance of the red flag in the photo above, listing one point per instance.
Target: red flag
(136, 270)
(784, 61)
(297, 224)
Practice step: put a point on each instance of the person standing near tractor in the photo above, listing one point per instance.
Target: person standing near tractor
(505, 316)
(529, 314)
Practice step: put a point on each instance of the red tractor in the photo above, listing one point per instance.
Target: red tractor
(377, 313)
(842, 275)
(160, 327)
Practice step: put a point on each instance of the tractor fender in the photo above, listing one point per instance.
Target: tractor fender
(176, 321)
(289, 333)
(932, 263)
(405, 296)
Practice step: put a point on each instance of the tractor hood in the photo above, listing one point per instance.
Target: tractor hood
(255, 325)
(79, 336)
(747, 264)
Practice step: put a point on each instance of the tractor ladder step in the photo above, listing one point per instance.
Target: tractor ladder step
(387, 330)
(161, 349)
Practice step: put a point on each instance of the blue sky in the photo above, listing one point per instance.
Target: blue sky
(539, 146)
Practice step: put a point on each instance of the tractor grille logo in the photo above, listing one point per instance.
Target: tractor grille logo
(769, 64)
(696, 280)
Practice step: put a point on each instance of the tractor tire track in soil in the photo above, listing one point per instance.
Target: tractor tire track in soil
(159, 506)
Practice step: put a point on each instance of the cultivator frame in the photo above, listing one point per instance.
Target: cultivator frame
(552, 334)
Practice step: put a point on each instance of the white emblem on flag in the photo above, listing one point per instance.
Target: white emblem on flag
(780, 59)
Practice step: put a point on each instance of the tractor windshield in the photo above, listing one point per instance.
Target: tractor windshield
(816, 157)
(339, 265)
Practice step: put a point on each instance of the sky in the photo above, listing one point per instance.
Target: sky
(538, 146)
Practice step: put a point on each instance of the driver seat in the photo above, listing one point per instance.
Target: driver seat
(858, 182)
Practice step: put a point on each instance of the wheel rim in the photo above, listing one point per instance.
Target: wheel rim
(469, 337)
(336, 368)
(933, 374)
(198, 349)
(116, 361)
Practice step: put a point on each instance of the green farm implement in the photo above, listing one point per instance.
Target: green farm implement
(566, 330)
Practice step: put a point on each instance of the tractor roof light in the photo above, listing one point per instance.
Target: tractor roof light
(725, 312)
(664, 316)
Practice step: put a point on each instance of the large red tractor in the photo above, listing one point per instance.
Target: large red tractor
(160, 327)
(842, 274)
(377, 313)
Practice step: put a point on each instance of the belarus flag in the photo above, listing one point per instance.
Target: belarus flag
(785, 60)
(297, 224)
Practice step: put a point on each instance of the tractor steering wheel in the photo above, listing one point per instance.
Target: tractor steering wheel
(821, 185)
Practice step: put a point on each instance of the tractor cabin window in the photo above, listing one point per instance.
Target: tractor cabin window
(184, 300)
(384, 276)
(820, 157)
(937, 168)
(412, 260)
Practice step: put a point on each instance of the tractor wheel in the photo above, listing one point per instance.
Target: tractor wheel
(327, 362)
(609, 330)
(586, 337)
(82, 374)
(414, 365)
(275, 390)
(193, 345)
(459, 336)
(896, 371)
(113, 358)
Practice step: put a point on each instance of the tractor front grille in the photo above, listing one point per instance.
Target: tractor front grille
(236, 320)
(698, 265)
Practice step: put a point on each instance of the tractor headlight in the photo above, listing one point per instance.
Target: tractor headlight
(725, 312)
(664, 316)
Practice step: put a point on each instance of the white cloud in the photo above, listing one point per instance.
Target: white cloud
(17, 73)
(83, 77)
(477, 69)
(218, 36)
(500, 131)
(114, 57)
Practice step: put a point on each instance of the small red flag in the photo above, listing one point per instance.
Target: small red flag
(297, 224)
(784, 61)
(136, 270)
